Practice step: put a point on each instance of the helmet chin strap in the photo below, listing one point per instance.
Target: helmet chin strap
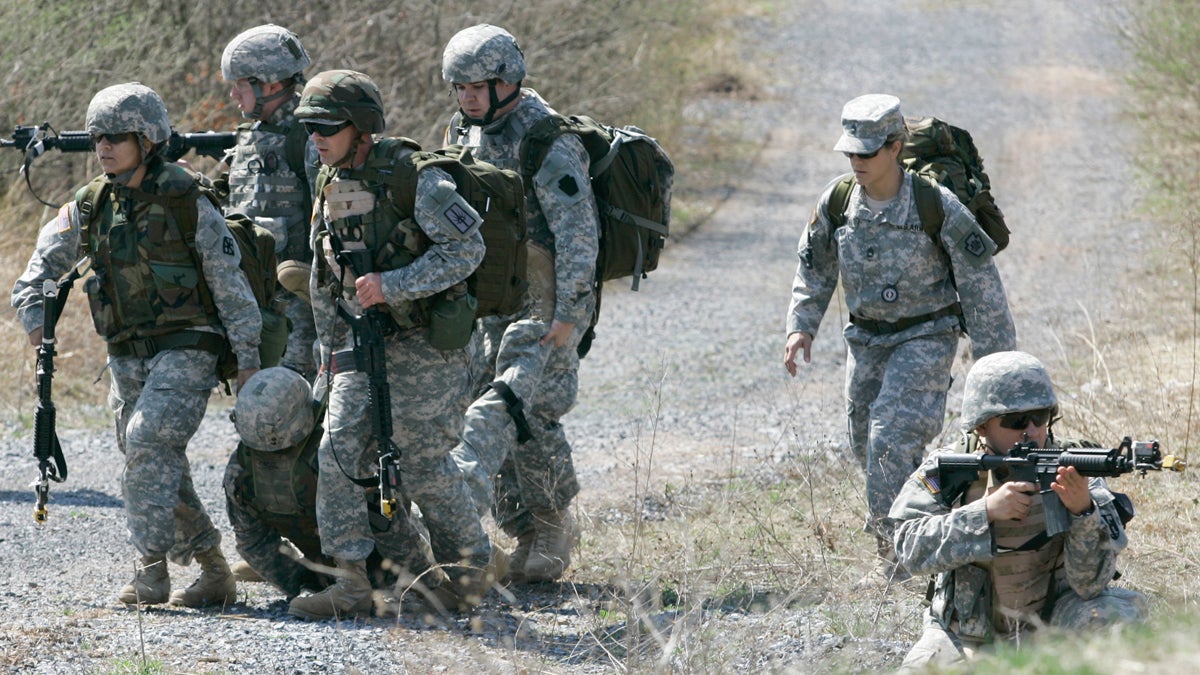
(350, 154)
(260, 101)
(124, 177)
(494, 104)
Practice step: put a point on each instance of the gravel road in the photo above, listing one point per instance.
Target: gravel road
(694, 357)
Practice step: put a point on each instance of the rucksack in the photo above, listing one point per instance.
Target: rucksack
(631, 179)
(257, 247)
(944, 154)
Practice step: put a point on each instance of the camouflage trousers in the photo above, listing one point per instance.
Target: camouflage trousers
(941, 647)
(158, 404)
(299, 355)
(539, 474)
(427, 389)
(895, 405)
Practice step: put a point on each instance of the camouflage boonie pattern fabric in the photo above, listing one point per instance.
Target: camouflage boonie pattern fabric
(481, 53)
(1005, 382)
(867, 121)
(129, 107)
(958, 546)
(268, 53)
(538, 474)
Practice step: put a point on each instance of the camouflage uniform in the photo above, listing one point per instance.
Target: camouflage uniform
(536, 476)
(998, 579)
(897, 375)
(262, 182)
(159, 400)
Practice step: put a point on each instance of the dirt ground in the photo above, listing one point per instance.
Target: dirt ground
(690, 366)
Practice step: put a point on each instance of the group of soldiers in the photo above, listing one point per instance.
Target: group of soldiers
(313, 166)
(912, 292)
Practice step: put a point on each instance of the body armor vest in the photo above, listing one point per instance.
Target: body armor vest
(384, 238)
(150, 280)
(281, 490)
(264, 185)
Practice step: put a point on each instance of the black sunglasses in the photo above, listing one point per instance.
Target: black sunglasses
(863, 155)
(325, 130)
(114, 139)
(1020, 420)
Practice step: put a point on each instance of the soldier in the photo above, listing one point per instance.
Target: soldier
(272, 168)
(910, 298)
(531, 355)
(271, 492)
(398, 238)
(998, 576)
(165, 306)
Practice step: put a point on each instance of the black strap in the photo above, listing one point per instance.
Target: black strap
(889, 327)
(343, 362)
(148, 347)
(516, 410)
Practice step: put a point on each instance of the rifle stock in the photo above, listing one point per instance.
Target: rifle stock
(1026, 462)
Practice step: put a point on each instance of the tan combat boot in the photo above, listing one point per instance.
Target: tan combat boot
(887, 572)
(520, 555)
(242, 571)
(550, 554)
(215, 586)
(349, 596)
(466, 591)
(151, 583)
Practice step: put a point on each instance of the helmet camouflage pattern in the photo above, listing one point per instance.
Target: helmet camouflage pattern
(481, 53)
(129, 107)
(267, 53)
(274, 410)
(343, 95)
(1002, 383)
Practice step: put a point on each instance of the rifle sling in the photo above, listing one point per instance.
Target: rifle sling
(516, 409)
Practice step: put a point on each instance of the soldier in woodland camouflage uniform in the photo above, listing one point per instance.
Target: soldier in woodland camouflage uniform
(424, 240)
(531, 355)
(271, 492)
(164, 308)
(910, 298)
(998, 576)
(273, 167)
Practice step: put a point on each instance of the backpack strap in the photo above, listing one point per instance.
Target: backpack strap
(925, 193)
(839, 199)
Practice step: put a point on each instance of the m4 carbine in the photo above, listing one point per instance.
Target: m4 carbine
(1027, 462)
(36, 140)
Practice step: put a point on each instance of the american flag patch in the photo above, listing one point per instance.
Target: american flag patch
(932, 483)
(64, 218)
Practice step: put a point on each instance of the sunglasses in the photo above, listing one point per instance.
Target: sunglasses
(325, 130)
(1020, 420)
(863, 155)
(114, 139)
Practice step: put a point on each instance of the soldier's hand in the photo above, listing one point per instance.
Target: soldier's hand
(1010, 501)
(1072, 489)
(243, 375)
(560, 332)
(369, 289)
(795, 343)
(35, 337)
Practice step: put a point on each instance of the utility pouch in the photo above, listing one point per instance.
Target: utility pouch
(973, 603)
(452, 320)
(103, 315)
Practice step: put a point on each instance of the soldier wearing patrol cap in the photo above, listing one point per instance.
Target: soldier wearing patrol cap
(998, 576)
(393, 235)
(273, 167)
(910, 295)
(513, 430)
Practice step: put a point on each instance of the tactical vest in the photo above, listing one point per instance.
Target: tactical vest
(280, 488)
(267, 182)
(149, 281)
(387, 235)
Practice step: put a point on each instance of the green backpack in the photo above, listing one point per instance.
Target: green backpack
(257, 247)
(944, 154)
(631, 178)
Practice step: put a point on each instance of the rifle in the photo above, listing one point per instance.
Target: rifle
(34, 141)
(45, 437)
(370, 328)
(1027, 462)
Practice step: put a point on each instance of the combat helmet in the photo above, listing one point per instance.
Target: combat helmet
(274, 410)
(266, 53)
(482, 53)
(1005, 382)
(129, 107)
(336, 96)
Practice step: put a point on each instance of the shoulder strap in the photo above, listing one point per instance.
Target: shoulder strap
(88, 199)
(929, 206)
(839, 199)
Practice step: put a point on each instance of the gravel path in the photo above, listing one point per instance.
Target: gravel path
(694, 358)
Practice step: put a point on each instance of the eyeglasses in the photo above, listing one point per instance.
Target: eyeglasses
(113, 139)
(1021, 420)
(863, 155)
(325, 130)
